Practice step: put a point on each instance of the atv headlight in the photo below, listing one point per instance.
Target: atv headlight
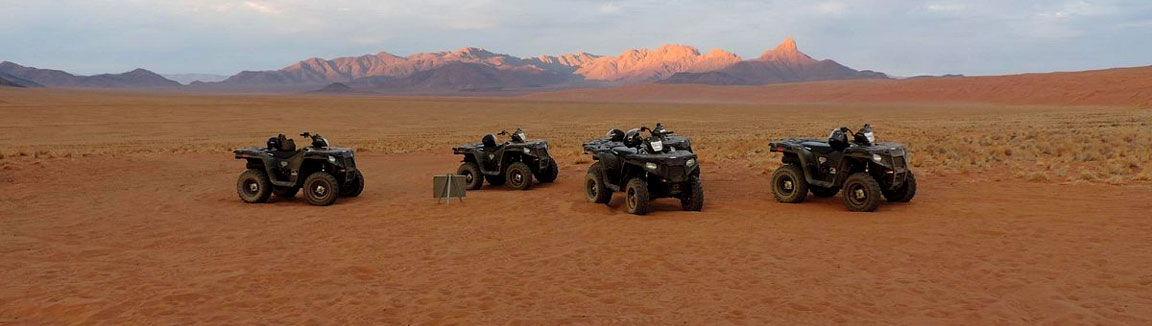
(877, 158)
(691, 162)
(527, 150)
(332, 159)
(657, 145)
(650, 166)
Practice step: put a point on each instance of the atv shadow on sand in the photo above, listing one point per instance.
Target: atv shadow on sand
(279, 168)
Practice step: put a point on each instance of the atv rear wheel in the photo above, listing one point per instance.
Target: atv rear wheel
(253, 186)
(594, 189)
(823, 192)
(519, 176)
(355, 186)
(693, 200)
(473, 179)
(789, 185)
(636, 196)
(861, 193)
(548, 173)
(285, 192)
(321, 189)
(906, 191)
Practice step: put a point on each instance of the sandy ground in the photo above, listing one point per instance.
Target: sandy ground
(120, 208)
(163, 239)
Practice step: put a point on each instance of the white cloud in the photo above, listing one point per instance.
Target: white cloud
(608, 8)
(946, 6)
(262, 7)
(832, 8)
(1063, 20)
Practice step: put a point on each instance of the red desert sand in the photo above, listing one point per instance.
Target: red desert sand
(121, 209)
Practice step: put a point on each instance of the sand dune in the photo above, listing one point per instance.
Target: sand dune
(1121, 86)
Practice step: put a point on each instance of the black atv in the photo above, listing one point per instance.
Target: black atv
(644, 168)
(281, 169)
(514, 162)
(864, 169)
(670, 139)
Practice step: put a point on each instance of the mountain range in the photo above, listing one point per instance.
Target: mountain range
(191, 78)
(139, 78)
(475, 69)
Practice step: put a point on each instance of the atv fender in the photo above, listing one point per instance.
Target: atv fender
(806, 162)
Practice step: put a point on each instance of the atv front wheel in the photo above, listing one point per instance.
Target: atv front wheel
(549, 173)
(285, 192)
(789, 185)
(519, 176)
(636, 196)
(906, 191)
(253, 186)
(321, 189)
(823, 192)
(594, 189)
(355, 186)
(861, 193)
(473, 179)
(693, 200)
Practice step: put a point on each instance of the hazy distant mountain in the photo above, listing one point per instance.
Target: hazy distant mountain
(7, 83)
(13, 81)
(190, 78)
(383, 64)
(138, 78)
(565, 63)
(466, 76)
(335, 88)
(781, 65)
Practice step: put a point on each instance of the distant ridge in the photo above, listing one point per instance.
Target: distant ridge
(473, 68)
(7, 83)
(783, 64)
(7, 80)
(138, 78)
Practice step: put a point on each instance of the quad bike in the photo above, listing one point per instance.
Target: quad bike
(670, 139)
(864, 169)
(324, 172)
(515, 162)
(644, 168)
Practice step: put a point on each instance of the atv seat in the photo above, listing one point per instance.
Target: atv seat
(623, 150)
(818, 147)
(287, 149)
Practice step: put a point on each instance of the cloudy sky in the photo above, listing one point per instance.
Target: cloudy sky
(898, 37)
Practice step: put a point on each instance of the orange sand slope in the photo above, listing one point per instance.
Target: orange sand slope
(1121, 87)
